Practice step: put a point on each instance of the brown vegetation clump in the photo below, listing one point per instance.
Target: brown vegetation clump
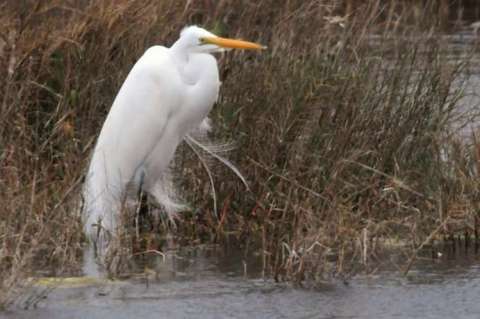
(343, 128)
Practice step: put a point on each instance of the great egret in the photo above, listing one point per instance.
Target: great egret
(166, 95)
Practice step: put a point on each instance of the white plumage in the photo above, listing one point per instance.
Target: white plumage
(166, 95)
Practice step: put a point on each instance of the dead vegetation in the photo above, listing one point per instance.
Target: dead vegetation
(343, 129)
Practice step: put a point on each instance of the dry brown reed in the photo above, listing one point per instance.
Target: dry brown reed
(342, 128)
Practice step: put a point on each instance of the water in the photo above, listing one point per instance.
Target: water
(208, 283)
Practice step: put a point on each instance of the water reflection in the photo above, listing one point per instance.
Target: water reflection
(210, 282)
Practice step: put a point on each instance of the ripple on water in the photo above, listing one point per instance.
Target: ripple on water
(205, 285)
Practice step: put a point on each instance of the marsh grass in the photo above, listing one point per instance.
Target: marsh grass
(343, 129)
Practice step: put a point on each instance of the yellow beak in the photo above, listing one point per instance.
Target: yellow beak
(233, 44)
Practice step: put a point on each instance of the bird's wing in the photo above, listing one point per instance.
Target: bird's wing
(134, 125)
(141, 110)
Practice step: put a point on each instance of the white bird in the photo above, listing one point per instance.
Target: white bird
(167, 94)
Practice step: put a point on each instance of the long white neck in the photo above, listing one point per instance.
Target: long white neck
(180, 51)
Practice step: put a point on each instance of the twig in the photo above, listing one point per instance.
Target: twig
(397, 182)
(191, 144)
(309, 190)
(425, 242)
(68, 192)
(151, 251)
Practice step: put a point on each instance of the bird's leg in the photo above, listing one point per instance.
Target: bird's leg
(97, 237)
(101, 239)
(93, 252)
(139, 205)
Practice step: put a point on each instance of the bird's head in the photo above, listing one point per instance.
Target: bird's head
(199, 40)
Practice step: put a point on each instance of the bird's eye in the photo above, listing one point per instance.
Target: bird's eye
(202, 41)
